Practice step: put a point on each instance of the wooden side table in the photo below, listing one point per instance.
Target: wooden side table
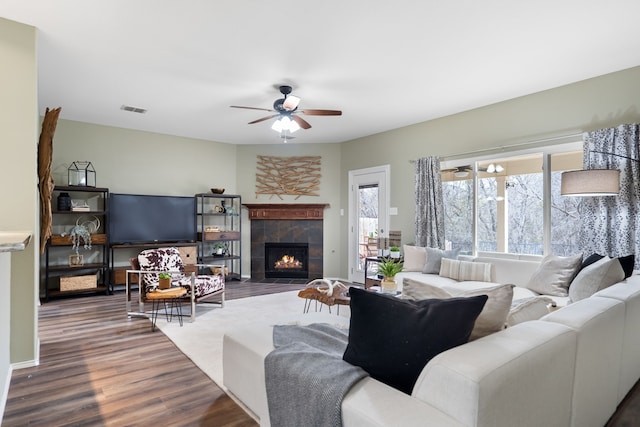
(339, 297)
(172, 297)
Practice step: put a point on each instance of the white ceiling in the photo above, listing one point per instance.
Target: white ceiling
(384, 64)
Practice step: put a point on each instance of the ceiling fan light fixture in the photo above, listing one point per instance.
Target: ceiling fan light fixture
(285, 124)
(461, 174)
(291, 103)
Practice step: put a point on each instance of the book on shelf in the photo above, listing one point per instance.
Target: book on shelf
(80, 209)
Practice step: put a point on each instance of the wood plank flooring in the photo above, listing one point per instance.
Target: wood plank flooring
(99, 368)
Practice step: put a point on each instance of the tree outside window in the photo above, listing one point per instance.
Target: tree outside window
(510, 204)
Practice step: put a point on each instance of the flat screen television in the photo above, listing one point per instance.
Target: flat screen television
(135, 218)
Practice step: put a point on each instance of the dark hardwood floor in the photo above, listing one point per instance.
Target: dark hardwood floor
(99, 368)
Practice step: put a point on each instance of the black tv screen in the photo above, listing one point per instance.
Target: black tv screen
(135, 218)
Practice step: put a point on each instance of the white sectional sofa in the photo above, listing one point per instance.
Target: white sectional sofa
(572, 367)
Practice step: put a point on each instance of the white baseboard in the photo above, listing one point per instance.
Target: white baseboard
(25, 364)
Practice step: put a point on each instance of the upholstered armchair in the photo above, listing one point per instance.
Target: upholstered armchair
(200, 287)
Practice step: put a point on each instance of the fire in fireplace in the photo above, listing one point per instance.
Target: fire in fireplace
(286, 260)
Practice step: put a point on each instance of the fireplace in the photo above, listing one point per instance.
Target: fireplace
(297, 224)
(286, 260)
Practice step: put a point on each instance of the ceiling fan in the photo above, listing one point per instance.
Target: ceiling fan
(286, 109)
(459, 171)
(463, 171)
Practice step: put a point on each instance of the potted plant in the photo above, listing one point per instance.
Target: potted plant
(218, 249)
(164, 280)
(394, 252)
(388, 268)
(79, 236)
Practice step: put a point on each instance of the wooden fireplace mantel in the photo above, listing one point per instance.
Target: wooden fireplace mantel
(286, 211)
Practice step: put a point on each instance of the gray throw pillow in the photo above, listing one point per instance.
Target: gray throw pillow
(434, 258)
(526, 309)
(493, 316)
(554, 275)
(594, 277)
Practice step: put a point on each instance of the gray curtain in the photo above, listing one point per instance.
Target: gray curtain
(429, 207)
(610, 225)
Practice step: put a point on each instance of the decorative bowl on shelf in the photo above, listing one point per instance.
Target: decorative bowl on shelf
(217, 190)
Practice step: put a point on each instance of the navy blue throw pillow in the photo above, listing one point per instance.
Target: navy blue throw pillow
(590, 260)
(393, 339)
(627, 263)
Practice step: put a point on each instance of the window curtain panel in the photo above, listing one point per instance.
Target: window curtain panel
(610, 225)
(429, 205)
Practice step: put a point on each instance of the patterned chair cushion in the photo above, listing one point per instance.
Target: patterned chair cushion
(168, 259)
(204, 285)
(162, 259)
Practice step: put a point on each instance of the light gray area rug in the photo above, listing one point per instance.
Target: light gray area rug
(201, 341)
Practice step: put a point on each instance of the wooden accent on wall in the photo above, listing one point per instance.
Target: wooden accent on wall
(286, 211)
(297, 176)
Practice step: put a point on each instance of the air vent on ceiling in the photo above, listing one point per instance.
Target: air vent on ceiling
(133, 109)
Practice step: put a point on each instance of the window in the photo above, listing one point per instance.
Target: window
(565, 224)
(458, 209)
(510, 204)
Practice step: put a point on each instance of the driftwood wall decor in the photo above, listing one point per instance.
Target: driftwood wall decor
(45, 181)
(297, 176)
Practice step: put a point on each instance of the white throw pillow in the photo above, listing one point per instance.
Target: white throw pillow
(554, 275)
(465, 270)
(594, 277)
(526, 309)
(493, 316)
(414, 257)
(434, 258)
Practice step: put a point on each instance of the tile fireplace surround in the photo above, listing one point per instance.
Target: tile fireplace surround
(286, 223)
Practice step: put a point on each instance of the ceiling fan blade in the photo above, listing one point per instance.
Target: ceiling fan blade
(322, 112)
(251, 108)
(291, 103)
(302, 122)
(264, 118)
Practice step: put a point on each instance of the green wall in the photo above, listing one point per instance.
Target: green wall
(592, 104)
(135, 162)
(19, 194)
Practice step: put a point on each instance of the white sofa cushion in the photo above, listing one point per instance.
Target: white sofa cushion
(599, 323)
(481, 383)
(526, 309)
(513, 271)
(414, 257)
(244, 349)
(374, 404)
(595, 277)
(493, 316)
(629, 293)
(554, 275)
(432, 279)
